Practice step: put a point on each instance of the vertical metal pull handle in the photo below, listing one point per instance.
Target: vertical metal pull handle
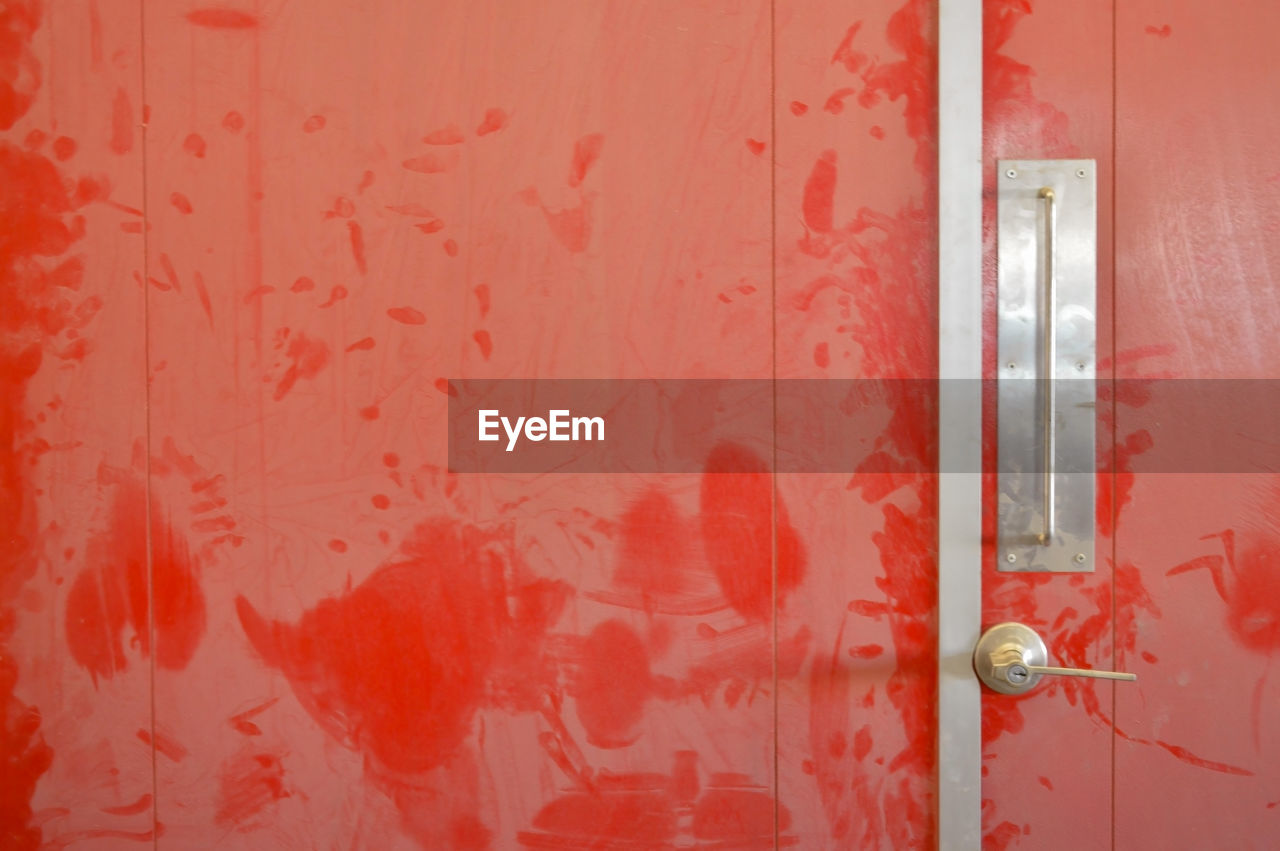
(1050, 357)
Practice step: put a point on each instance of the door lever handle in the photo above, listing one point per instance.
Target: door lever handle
(1010, 658)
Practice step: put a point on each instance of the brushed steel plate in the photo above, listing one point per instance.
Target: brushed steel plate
(1021, 374)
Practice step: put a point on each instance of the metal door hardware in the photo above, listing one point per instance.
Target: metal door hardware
(1011, 658)
(1047, 330)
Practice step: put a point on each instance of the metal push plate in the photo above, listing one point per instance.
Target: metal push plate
(1047, 329)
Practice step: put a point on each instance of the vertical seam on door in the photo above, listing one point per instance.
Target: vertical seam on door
(146, 408)
(773, 360)
(1115, 409)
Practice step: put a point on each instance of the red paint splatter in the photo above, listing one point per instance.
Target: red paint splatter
(313, 124)
(822, 355)
(755, 146)
(308, 358)
(381, 501)
(391, 459)
(1159, 32)
(835, 102)
(571, 226)
(738, 531)
(412, 210)
(111, 592)
(64, 148)
(357, 246)
(819, 193)
(407, 315)
(337, 294)
(799, 108)
(363, 344)
(585, 153)
(432, 226)
(451, 247)
(494, 120)
(165, 745)
(397, 666)
(482, 299)
(247, 784)
(233, 122)
(180, 203)
(484, 342)
(428, 164)
(337, 545)
(366, 180)
(370, 413)
(202, 293)
(139, 806)
(302, 285)
(121, 141)
(194, 144)
(876, 131)
(443, 385)
(450, 135)
(222, 19)
(852, 60)
(242, 722)
(257, 293)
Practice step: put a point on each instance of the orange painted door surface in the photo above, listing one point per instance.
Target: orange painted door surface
(246, 247)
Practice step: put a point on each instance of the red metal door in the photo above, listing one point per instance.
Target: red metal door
(246, 246)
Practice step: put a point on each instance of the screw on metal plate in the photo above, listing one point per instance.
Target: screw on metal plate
(1011, 173)
(1011, 558)
(1012, 365)
(1081, 172)
(1079, 558)
(1080, 365)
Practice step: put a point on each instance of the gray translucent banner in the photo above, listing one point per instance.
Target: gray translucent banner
(837, 426)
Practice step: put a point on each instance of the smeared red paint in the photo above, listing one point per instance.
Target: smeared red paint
(1159, 32)
(121, 141)
(363, 344)
(307, 357)
(111, 592)
(20, 71)
(337, 294)
(338, 545)
(233, 122)
(450, 135)
(380, 501)
(195, 145)
(247, 784)
(222, 19)
(443, 385)
(819, 193)
(257, 293)
(64, 148)
(370, 413)
(483, 342)
(407, 315)
(740, 532)
(798, 108)
(866, 805)
(876, 131)
(397, 666)
(433, 226)
(313, 124)
(494, 120)
(755, 146)
(835, 101)
(612, 685)
(180, 203)
(822, 355)
(165, 745)
(411, 210)
(242, 722)
(302, 285)
(585, 153)
(139, 806)
(356, 234)
(202, 293)
(1247, 578)
(571, 226)
(451, 247)
(428, 164)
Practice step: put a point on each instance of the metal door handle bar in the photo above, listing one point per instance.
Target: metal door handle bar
(1010, 658)
(1050, 357)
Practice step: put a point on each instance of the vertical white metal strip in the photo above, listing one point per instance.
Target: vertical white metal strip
(959, 422)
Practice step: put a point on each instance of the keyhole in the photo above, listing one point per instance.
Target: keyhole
(1017, 675)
